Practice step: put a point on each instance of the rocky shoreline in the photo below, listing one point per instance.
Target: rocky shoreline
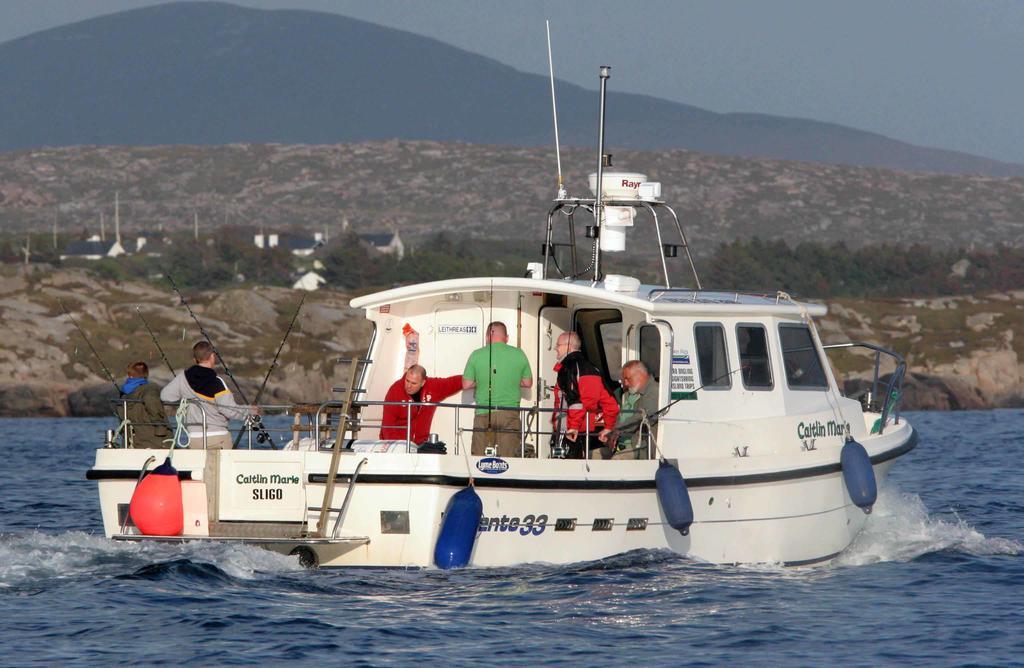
(961, 351)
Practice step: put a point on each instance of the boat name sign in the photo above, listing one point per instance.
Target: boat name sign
(528, 525)
(819, 429)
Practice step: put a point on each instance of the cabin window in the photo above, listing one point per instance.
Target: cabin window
(752, 341)
(650, 350)
(804, 370)
(712, 359)
(600, 332)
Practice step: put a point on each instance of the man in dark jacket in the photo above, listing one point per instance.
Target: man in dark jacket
(580, 391)
(147, 420)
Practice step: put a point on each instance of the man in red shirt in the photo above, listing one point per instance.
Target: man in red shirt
(414, 386)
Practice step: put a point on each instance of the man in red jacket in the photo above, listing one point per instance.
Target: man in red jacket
(414, 386)
(580, 390)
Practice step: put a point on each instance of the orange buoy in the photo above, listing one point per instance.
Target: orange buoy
(156, 504)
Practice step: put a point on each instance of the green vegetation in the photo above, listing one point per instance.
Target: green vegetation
(349, 265)
(809, 269)
(828, 271)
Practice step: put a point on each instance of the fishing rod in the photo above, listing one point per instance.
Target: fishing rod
(273, 363)
(664, 409)
(256, 423)
(155, 341)
(85, 338)
(206, 336)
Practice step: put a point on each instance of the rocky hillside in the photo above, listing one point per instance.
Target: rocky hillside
(489, 191)
(48, 369)
(962, 351)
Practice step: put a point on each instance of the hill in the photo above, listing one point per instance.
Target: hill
(213, 73)
(494, 192)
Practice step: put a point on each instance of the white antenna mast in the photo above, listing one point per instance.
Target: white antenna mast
(562, 194)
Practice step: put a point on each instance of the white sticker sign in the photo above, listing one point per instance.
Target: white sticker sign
(682, 374)
(457, 329)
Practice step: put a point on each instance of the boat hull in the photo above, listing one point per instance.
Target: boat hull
(796, 513)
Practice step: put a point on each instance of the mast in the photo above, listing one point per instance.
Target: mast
(562, 194)
(117, 218)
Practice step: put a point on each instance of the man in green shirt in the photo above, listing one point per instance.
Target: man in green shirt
(639, 400)
(497, 371)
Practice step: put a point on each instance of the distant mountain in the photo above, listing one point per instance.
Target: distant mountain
(213, 73)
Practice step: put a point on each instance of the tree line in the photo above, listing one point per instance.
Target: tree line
(835, 270)
(807, 269)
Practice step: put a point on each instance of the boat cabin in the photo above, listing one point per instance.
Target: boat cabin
(717, 356)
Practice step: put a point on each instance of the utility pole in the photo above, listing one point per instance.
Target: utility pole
(195, 225)
(103, 227)
(27, 249)
(55, 213)
(117, 218)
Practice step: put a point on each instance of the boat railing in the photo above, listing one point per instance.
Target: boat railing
(531, 432)
(250, 429)
(709, 296)
(887, 403)
(530, 424)
(568, 207)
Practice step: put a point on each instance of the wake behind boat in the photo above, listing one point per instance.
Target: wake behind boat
(752, 455)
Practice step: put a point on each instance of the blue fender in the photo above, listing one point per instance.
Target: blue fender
(858, 475)
(674, 497)
(459, 530)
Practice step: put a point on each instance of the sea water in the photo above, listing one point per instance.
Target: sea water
(936, 578)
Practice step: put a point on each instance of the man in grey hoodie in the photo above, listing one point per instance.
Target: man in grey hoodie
(201, 384)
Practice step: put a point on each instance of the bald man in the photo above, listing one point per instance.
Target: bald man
(498, 371)
(580, 391)
(414, 387)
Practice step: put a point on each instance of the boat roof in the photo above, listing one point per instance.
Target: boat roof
(652, 299)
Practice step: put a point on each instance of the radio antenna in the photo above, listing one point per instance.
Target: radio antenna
(562, 194)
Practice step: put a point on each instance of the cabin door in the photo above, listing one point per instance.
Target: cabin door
(457, 330)
(551, 321)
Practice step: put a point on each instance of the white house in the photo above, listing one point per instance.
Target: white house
(92, 249)
(309, 281)
(388, 243)
(297, 244)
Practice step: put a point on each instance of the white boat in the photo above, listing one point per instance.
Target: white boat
(753, 420)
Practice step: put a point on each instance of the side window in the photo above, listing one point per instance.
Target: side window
(752, 341)
(611, 342)
(650, 350)
(712, 359)
(803, 366)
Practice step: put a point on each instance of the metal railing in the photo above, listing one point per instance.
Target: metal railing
(531, 430)
(707, 296)
(249, 427)
(893, 394)
(530, 427)
(568, 207)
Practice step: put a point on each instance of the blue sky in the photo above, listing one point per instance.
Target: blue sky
(936, 73)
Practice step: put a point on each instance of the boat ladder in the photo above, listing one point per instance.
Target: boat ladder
(339, 440)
